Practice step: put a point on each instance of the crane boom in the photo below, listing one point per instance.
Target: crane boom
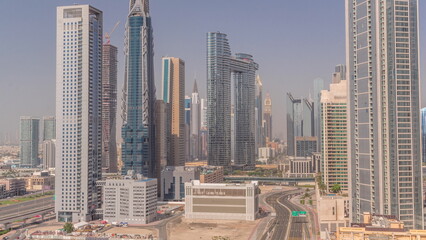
(108, 35)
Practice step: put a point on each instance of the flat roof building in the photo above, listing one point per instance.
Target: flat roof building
(173, 180)
(221, 201)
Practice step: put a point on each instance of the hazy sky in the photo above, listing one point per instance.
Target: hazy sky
(294, 42)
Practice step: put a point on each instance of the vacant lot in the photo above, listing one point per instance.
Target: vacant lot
(182, 229)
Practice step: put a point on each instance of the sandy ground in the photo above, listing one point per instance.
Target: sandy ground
(184, 229)
(52, 227)
(132, 230)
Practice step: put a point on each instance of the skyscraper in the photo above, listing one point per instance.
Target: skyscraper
(383, 74)
(78, 112)
(300, 121)
(29, 138)
(423, 116)
(195, 123)
(220, 67)
(49, 128)
(173, 89)
(267, 116)
(243, 70)
(334, 122)
(260, 133)
(138, 147)
(109, 108)
(187, 129)
(49, 153)
(318, 87)
(203, 130)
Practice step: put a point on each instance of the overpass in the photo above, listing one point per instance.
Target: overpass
(305, 179)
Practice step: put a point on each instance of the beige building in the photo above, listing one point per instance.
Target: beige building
(221, 201)
(210, 174)
(333, 212)
(14, 186)
(334, 134)
(40, 181)
(173, 90)
(379, 227)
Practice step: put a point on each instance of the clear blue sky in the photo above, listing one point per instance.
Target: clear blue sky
(294, 42)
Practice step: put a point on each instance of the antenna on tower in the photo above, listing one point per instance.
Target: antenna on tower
(108, 35)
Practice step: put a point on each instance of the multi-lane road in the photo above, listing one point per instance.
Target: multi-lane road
(22, 210)
(284, 225)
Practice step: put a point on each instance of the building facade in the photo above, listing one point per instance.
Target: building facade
(221, 201)
(195, 124)
(109, 108)
(138, 147)
(173, 89)
(334, 123)
(300, 121)
(78, 112)
(384, 86)
(133, 201)
(40, 181)
(423, 116)
(29, 139)
(49, 128)
(305, 146)
(260, 131)
(318, 87)
(209, 174)
(173, 181)
(268, 118)
(49, 153)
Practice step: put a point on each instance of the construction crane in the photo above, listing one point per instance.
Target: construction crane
(108, 35)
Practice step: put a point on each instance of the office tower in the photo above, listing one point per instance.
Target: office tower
(383, 70)
(49, 153)
(232, 132)
(29, 138)
(260, 133)
(161, 144)
(300, 121)
(334, 124)
(423, 116)
(267, 116)
(49, 128)
(203, 130)
(78, 112)
(109, 108)
(187, 127)
(318, 87)
(195, 123)
(305, 146)
(138, 147)
(173, 89)
(220, 67)
(244, 75)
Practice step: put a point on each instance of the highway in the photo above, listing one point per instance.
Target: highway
(26, 209)
(284, 226)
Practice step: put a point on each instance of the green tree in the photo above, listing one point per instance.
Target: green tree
(336, 188)
(68, 227)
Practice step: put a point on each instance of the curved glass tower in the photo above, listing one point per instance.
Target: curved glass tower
(138, 148)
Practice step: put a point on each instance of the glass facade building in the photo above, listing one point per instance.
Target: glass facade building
(383, 75)
(138, 147)
(49, 128)
(29, 139)
(423, 116)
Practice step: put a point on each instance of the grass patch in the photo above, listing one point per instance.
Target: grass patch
(4, 232)
(25, 198)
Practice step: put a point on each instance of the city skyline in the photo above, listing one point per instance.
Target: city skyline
(269, 52)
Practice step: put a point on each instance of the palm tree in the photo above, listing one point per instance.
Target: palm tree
(336, 188)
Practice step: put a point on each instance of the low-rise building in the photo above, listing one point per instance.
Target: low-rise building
(211, 174)
(3, 192)
(173, 181)
(378, 227)
(300, 165)
(40, 181)
(221, 201)
(133, 201)
(14, 186)
(265, 154)
(333, 212)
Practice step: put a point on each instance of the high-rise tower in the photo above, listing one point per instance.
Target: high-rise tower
(109, 108)
(423, 117)
(195, 123)
(49, 128)
(29, 138)
(174, 95)
(220, 67)
(383, 74)
(138, 147)
(260, 133)
(78, 112)
(267, 116)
